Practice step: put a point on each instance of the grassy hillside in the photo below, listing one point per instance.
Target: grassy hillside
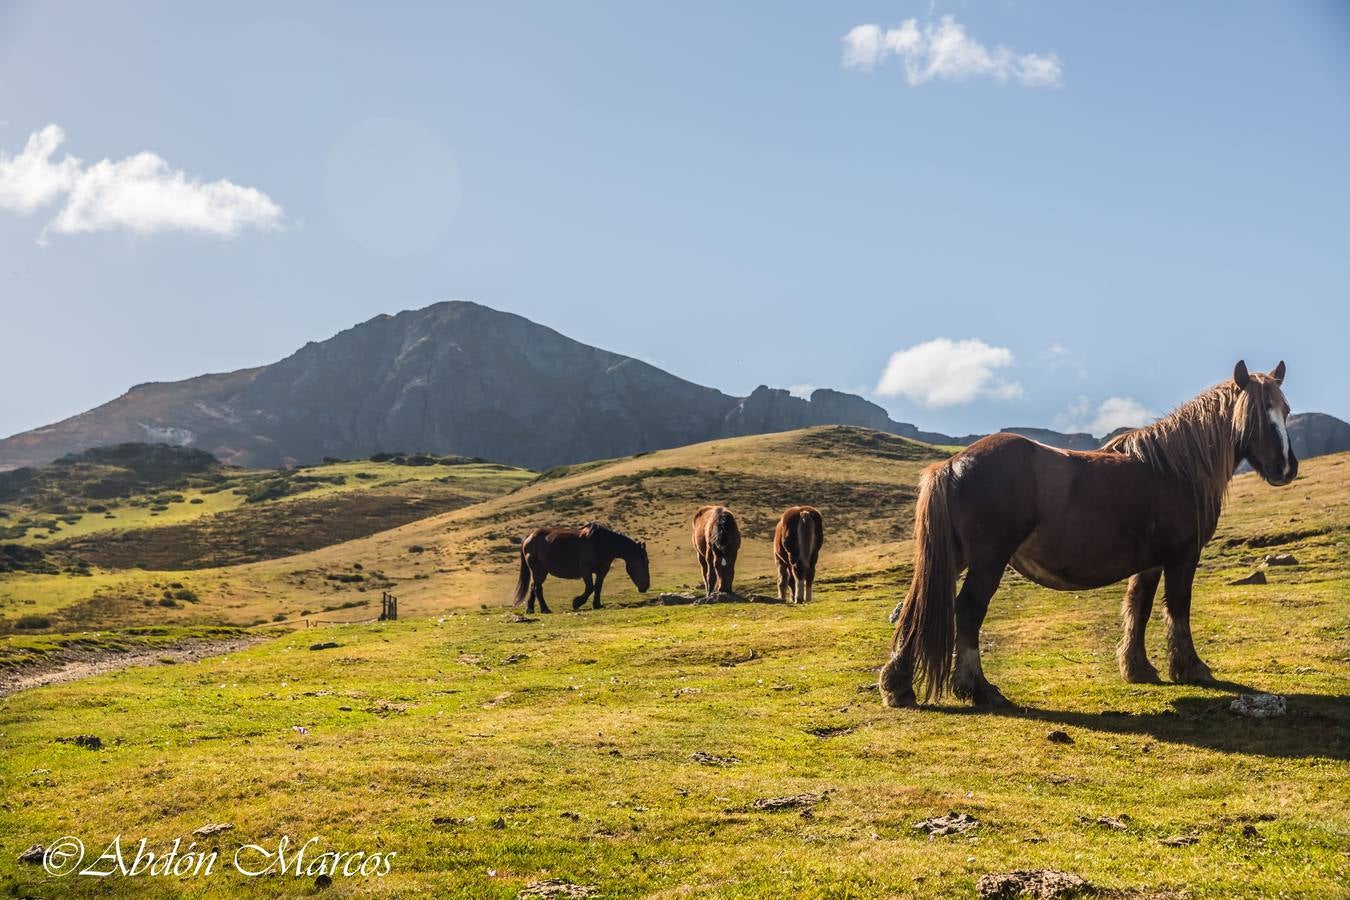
(95, 545)
(625, 750)
(863, 482)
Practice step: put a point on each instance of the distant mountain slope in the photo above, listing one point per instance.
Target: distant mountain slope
(456, 377)
(460, 378)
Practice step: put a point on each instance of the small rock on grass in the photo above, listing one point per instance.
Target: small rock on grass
(1044, 884)
(324, 645)
(1059, 737)
(952, 823)
(213, 828)
(1257, 577)
(1260, 706)
(708, 759)
(1281, 559)
(34, 855)
(556, 887)
(1180, 840)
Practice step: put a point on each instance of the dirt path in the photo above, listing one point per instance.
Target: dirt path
(76, 664)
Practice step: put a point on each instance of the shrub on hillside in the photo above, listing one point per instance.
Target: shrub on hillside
(32, 622)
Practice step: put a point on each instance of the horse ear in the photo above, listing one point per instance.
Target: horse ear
(1278, 373)
(1240, 376)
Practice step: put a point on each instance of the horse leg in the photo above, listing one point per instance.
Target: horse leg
(803, 589)
(1134, 612)
(1184, 664)
(783, 581)
(705, 563)
(578, 602)
(968, 681)
(533, 591)
(599, 583)
(539, 593)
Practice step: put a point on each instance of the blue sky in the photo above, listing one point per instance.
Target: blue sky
(1054, 213)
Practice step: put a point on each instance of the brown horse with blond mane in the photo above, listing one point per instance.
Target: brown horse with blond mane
(586, 553)
(1142, 507)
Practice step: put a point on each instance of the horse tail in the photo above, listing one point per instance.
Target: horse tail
(926, 633)
(523, 582)
(723, 530)
(808, 539)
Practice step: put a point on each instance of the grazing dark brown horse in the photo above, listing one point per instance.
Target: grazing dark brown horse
(1142, 508)
(717, 540)
(796, 546)
(586, 553)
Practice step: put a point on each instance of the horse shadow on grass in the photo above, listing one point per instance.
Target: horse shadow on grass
(1316, 725)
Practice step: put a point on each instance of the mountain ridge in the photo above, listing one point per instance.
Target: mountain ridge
(461, 378)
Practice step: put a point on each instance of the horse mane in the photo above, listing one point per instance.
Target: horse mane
(1197, 442)
(609, 536)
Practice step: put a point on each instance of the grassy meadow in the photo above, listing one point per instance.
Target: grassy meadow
(624, 750)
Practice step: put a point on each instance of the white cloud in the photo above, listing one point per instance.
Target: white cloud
(1110, 414)
(802, 390)
(943, 372)
(141, 193)
(31, 179)
(944, 51)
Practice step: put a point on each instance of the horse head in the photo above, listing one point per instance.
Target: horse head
(1263, 427)
(638, 568)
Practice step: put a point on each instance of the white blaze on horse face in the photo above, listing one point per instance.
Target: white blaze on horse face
(1282, 435)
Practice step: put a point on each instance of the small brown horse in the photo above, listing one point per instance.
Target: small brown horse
(717, 540)
(585, 553)
(1143, 507)
(796, 546)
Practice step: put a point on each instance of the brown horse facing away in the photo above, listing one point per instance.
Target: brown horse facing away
(796, 546)
(1142, 507)
(586, 553)
(717, 540)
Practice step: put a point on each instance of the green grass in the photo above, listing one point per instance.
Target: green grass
(600, 719)
(575, 732)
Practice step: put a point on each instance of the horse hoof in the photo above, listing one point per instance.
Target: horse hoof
(989, 697)
(1140, 673)
(899, 701)
(1195, 673)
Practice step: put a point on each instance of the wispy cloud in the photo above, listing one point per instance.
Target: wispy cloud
(141, 193)
(943, 50)
(1110, 414)
(1058, 358)
(943, 372)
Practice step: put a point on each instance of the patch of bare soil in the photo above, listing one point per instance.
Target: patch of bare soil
(75, 664)
(1043, 884)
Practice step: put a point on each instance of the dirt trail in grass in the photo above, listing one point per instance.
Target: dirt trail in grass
(73, 665)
